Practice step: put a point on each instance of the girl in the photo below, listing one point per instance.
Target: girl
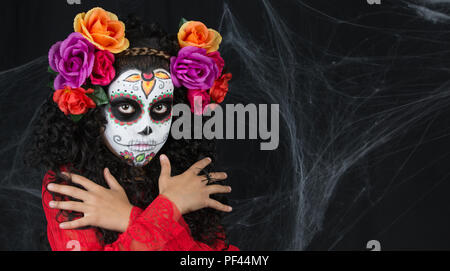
(116, 179)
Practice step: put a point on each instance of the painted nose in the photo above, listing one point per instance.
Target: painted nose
(146, 131)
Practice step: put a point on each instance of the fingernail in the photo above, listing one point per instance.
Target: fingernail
(50, 186)
(230, 209)
(62, 225)
(107, 170)
(52, 204)
(162, 157)
(229, 188)
(208, 158)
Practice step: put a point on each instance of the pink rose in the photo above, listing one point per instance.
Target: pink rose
(103, 72)
(218, 59)
(198, 99)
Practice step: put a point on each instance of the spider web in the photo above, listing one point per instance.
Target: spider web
(348, 103)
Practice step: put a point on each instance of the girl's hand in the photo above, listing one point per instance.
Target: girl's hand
(189, 191)
(102, 207)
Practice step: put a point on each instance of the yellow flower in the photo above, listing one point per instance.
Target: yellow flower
(103, 29)
(196, 34)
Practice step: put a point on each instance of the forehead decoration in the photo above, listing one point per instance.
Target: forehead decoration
(147, 80)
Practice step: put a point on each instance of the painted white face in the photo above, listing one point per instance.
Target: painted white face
(139, 114)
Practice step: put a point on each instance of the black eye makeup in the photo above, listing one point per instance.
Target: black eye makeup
(161, 109)
(125, 109)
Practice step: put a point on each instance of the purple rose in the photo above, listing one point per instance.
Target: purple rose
(193, 69)
(73, 59)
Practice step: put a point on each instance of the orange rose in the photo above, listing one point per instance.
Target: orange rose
(103, 29)
(220, 88)
(196, 34)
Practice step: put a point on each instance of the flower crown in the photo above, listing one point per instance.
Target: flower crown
(84, 62)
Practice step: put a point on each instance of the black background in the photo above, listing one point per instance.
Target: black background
(412, 215)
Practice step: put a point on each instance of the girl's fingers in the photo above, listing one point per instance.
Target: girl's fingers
(68, 205)
(68, 190)
(82, 222)
(165, 166)
(215, 176)
(219, 206)
(198, 166)
(85, 182)
(112, 182)
(218, 189)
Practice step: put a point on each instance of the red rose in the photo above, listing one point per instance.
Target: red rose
(103, 71)
(220, 88)
(73, 100)
(218, 59)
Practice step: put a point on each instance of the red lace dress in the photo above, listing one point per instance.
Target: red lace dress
(159, 227)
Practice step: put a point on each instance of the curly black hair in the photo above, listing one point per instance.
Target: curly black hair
(58, 141)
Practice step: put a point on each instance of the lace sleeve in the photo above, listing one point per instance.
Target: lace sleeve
(159, 227)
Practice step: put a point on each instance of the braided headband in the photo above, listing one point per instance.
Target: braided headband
(144, 51)
(83, 63)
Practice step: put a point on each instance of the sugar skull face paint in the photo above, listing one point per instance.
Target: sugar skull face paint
(139, 114)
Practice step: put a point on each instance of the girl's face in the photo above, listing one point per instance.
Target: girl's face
(139, 114)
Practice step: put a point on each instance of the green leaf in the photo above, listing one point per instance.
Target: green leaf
(76, 118)
(51, 71)
(99, 96)
(51, 84)
(182, 21)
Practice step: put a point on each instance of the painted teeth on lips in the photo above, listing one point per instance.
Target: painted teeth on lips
(141, 146)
